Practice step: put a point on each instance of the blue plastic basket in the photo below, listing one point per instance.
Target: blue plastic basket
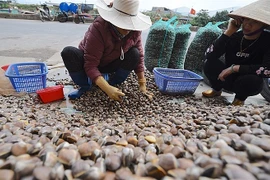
(176, 81)
(27, 77)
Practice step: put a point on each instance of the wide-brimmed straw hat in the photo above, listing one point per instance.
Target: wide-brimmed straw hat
(124, 14)
(259, 11)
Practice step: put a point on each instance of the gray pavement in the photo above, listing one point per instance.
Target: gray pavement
(56, 65)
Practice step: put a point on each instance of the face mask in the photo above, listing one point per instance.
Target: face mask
(255, 32)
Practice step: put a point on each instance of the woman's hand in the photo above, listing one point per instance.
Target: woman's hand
(142, 88)
(233, 26)
(115, 93)
(226, 72)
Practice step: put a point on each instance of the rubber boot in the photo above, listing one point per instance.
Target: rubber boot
(80, 78)
(119, 76)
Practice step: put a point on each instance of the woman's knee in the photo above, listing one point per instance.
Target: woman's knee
(134, 51)
(134, 54)
(67, 51)
(212, 68)
(132, 58)
(72, 58)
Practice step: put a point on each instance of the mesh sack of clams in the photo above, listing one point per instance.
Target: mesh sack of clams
(202, 40)
(159, 44)
(182, 35)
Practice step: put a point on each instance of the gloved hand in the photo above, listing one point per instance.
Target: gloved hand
(142, 88)
(113, 92)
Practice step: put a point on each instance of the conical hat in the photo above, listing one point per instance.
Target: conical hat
(259, 11)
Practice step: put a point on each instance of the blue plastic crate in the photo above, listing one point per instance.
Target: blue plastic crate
(176, 81)
(27, 77)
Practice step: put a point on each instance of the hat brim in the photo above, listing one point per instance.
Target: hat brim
(136, 23)
(259, 11)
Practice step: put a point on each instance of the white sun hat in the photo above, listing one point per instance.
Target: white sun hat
(259, 11)
(124, 14)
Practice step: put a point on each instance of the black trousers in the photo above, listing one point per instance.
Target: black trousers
(73, 59)
(243, 85)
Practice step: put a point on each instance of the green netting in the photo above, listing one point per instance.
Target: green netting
(180, 46)
(159, 44)
(202, 40)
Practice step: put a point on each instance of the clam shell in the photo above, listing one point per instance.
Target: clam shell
(7, 174)
(68, 156)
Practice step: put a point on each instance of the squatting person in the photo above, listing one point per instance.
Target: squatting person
(246, 46)
(112, 44)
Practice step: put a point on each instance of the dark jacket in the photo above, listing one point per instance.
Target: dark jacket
(101, 46)
(254, 56)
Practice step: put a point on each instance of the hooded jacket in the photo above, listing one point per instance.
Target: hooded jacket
(101, 46)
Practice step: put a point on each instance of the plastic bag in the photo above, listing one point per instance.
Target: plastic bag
(159, 44)
(182, 35)
(202, 40)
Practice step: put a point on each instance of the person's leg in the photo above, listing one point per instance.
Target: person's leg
(247, 85)
(212, 68)
(74, 61)
(122, 68)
